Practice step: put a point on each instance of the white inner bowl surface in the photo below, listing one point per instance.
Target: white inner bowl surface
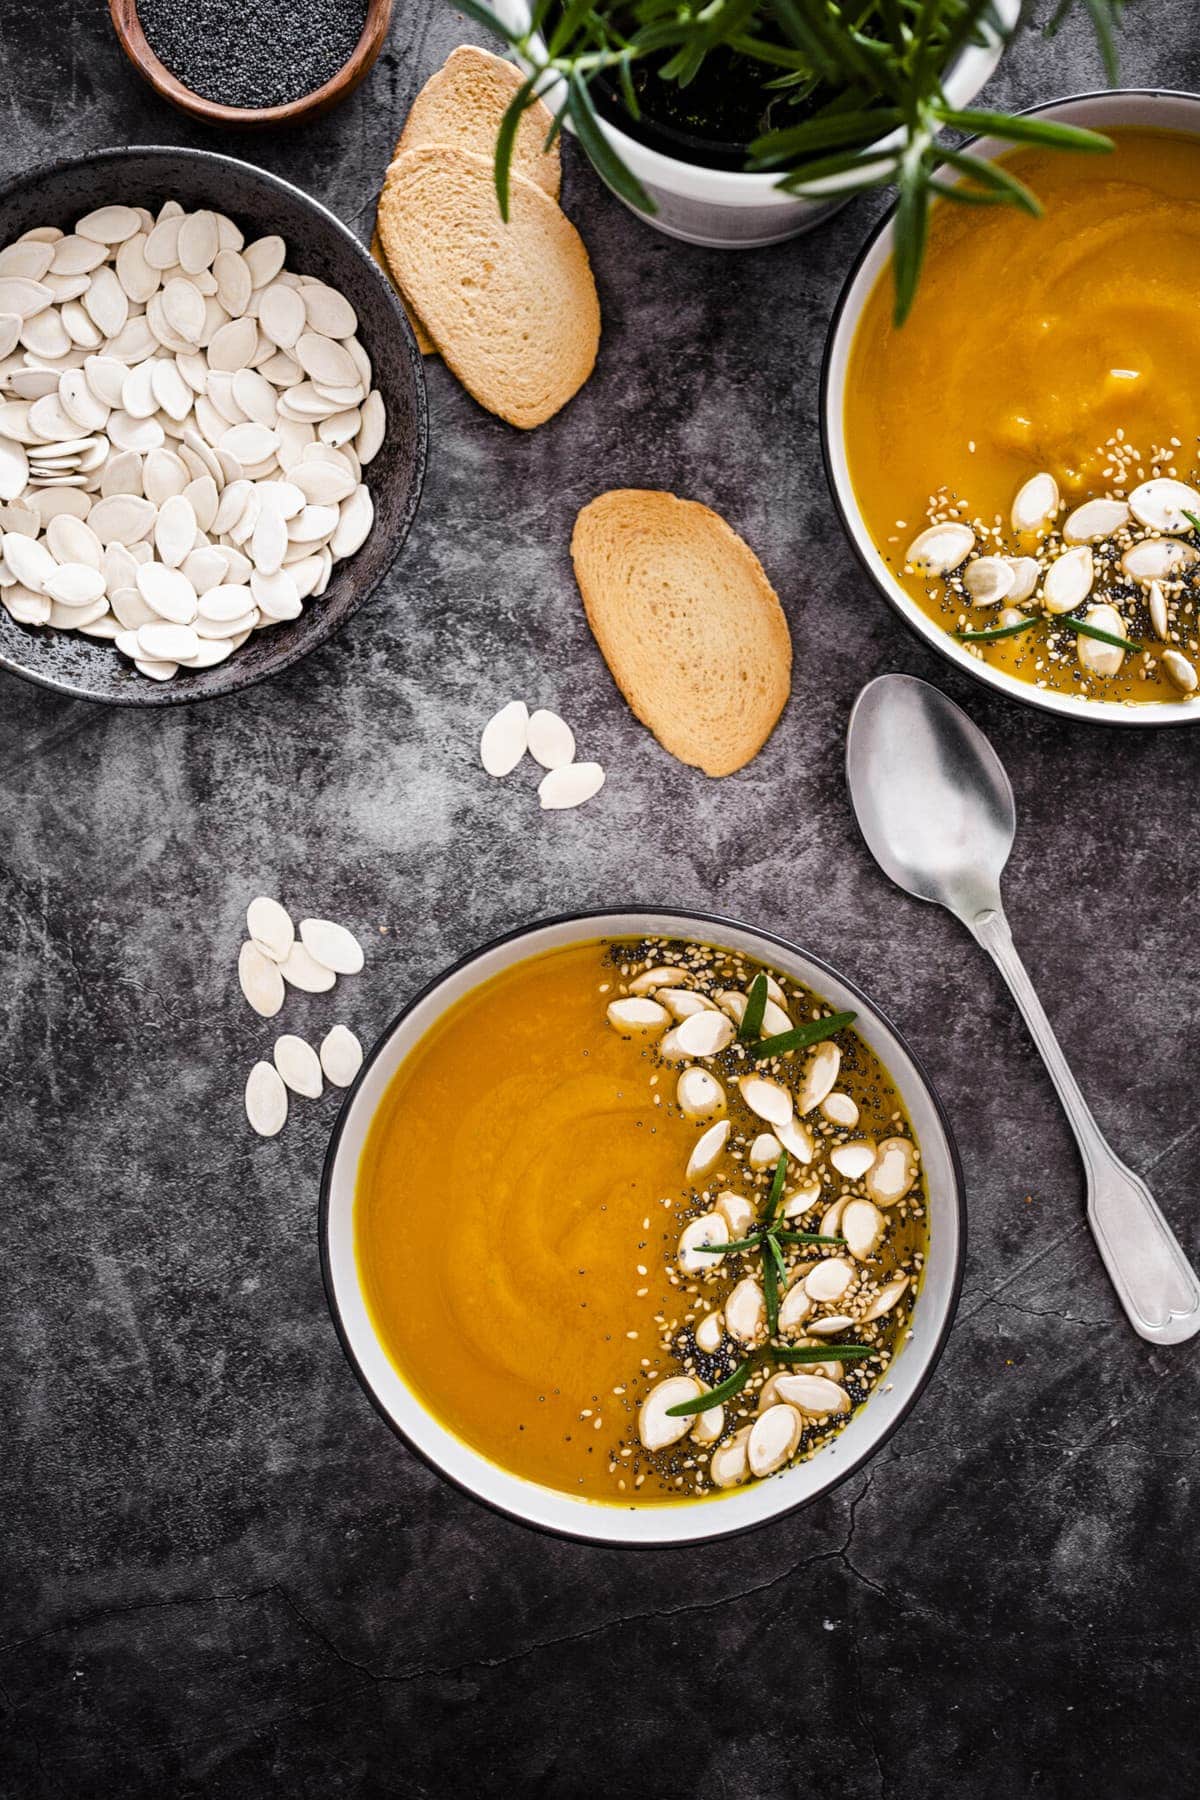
(668, 1522)
(1137, 107)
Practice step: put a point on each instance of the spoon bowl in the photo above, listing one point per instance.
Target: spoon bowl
(933, 800)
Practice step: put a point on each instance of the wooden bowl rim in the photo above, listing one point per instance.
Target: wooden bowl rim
(136, 45)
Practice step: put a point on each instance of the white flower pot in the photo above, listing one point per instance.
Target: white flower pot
(731, 211)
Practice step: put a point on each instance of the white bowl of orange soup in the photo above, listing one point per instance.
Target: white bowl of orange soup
(518, 1180)
(1062, 346)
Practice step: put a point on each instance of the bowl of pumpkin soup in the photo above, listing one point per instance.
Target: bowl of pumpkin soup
(1018, 464)
(642, 1227)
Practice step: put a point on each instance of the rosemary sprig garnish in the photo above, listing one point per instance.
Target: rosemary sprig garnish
(796, 1355)
(862, 73)
(1191, 518)
(724, 1390)
(997, 631)
(1093, 631)
(750, 1028)
(813, 1033)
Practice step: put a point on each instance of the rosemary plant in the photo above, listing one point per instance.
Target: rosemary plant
(841, 75)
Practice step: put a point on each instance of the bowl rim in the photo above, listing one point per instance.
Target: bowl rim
(613, 1538)
(840, 333)
(131, 35)
(153, 694)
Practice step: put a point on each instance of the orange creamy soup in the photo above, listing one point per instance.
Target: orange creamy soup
(537, 1184)
(1062, 352)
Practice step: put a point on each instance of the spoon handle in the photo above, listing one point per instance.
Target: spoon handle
(1155, 1283)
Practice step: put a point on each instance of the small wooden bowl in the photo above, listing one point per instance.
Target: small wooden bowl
(133, 41)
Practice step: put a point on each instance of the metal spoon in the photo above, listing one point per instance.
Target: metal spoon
(936, 809)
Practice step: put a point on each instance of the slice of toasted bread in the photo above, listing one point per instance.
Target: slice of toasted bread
(511, 307)
(688, 623)
(462, 105)
(425, 343)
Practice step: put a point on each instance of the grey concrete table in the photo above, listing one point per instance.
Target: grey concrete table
(221, 1573)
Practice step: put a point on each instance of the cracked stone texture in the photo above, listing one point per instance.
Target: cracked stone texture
(221, 1574)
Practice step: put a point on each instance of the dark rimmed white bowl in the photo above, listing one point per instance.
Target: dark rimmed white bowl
(670, 1522)
(1154, 107)
(318, 244)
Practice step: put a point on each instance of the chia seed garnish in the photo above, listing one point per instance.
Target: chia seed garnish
(265, 53)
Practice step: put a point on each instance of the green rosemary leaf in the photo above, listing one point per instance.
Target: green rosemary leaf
(1021, 130)
(746, 1243)
(770, 1287)
(772, 1243)
(807, 1237)
(815, 1032)
(506, 137)
(997, 631)
(994, 178)
(724, 1390)
(815, 1353)
(603, 157)
(750, 1029)
(910, 230)
(1192, 519)
(1094, 631)
(872, 172)
(776, 1193)
(828, 133)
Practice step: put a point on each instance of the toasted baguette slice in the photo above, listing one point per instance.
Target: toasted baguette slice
(425, 343)
(688, 623)
(512, 308)
(462, 106)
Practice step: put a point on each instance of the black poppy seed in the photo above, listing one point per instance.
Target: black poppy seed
(265, 53)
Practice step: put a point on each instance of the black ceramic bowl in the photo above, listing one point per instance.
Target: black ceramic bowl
(318, 244)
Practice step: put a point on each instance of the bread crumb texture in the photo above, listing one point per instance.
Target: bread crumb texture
(688, 623)
(511, 307)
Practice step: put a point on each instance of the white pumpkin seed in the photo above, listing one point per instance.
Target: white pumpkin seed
(737, 1212)
(1160, 618)
(266, 1100)
(341, 1056)
(1036, 504)
(885, 1300)
(813, 1394)
(303, 971)
(774, 1437)
(989, 579)
(729, 1464)
(1179, 670)
(709, 1228)
(1157, 559)
(939, 549)
(765, 1151)
(893, 1171)
(698, 1094)
(551, 740)
(794, 1309)
(707, 1152)
(746, 1312)
(332, 946)
(1027, 572)
(1095, 521)
(570, 786)
(1163, 504)
(260, 980)
(75, 584)
(853, 1160)
(656, 1430)
(1068, 580)
(299, 1066)
(636, 1016)
(769, 1099)
(820, 1073)
(829, 1280)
